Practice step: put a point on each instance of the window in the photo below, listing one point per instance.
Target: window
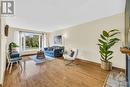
(31, 41)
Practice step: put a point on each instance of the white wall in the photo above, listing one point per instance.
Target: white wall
(13, 36)
(3, 48)
(85, 38)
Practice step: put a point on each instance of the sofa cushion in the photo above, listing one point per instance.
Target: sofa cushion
(14, 55)
(50, 48)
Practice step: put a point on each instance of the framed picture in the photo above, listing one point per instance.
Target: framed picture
(6, 30)
(58, 40)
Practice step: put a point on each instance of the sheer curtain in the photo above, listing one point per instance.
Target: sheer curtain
(45, 40)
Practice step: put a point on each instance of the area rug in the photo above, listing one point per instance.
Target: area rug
(115, 79)
(40, 61)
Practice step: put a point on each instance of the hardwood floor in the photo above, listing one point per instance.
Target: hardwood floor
(54, 73)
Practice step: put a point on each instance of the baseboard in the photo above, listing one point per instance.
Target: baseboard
(119, 69)
(28, 54)
(98, 64)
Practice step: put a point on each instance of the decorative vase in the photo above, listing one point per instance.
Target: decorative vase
(14, 49)
(106, 65)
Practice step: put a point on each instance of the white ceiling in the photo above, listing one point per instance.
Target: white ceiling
(50, 15)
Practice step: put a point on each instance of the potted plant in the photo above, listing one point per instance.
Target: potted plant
(107, 40)
(12, 47)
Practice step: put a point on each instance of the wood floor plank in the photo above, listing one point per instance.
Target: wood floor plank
(55, 74)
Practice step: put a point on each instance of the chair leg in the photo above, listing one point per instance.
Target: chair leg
(20, 66)
(72, 61)
(10, 67)
(17, 63)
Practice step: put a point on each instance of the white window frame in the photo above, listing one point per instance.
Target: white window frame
(23, 47)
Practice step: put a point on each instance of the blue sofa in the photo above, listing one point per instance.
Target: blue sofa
(54, 51)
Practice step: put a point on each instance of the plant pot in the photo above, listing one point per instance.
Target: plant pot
(106, 65)
(14, 49)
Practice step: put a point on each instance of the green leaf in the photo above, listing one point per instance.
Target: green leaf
(109, 53)
(105, 34)
(103, 37)
(110, 58)
(105, 46)
(114, 34)
(114, 39)
(102, 50)
(111, 44)
(102, 53)
(13, 45)
(102, 57)
(99, 44)
(101, 41)
(113, 30)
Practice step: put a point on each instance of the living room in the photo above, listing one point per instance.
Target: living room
(64, 29)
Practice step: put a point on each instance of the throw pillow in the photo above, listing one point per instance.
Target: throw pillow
(71, 53)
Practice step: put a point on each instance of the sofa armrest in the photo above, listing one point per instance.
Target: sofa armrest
(45, 48)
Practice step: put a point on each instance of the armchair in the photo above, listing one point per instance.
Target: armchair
(69, 58)
(13, 58)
